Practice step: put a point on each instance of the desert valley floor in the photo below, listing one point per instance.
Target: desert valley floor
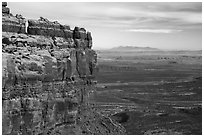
(151, 92)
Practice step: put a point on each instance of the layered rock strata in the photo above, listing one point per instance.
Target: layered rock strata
(48, 74)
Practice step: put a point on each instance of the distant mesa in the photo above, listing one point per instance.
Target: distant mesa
(133, 48)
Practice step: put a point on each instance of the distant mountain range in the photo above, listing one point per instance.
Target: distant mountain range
(132, 48)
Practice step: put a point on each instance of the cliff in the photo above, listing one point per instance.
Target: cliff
(48, 75)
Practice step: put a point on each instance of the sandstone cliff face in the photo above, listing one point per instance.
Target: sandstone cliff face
(48, 74)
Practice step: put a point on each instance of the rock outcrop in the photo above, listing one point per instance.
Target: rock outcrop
(48, 74)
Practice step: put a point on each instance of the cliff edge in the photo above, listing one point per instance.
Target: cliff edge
(48, 74)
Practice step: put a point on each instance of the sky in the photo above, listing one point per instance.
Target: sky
(168, 25)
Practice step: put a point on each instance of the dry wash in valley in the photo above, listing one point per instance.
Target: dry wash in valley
(48, 74)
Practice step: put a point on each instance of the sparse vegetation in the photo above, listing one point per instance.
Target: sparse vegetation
(151, 93)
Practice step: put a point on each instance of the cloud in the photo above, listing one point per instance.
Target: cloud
(120, 15)
(154, 30)
(143, 15)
